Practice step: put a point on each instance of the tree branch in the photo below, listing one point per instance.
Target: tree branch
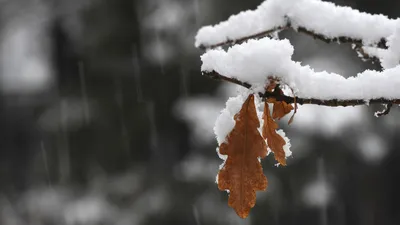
(288, 99)
(243, 39)
(340, 39)
(357, 42)
(385, 111)
(365, 56)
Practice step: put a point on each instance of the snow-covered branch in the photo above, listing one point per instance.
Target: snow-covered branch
(302, 101)
(374, 37)
(263, 65)
(357, 44)
(256, 60)
(323, 20)
(321, 37)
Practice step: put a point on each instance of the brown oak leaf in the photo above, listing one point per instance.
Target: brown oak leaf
(280, 108)
(275, 141)
(242, 173)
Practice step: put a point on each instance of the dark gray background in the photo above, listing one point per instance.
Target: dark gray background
(106, 119)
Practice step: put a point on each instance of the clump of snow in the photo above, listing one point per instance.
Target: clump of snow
(287, 146)
(265, 17)
(225, 121)
(375, 52)
(259, 103)
(321, 17)
(223, 157)
(391, 58)
(331, 20)
(244, 62)
(255, 60)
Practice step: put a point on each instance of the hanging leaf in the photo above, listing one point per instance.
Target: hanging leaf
(242, 173)
(275, 141)
(280, 108)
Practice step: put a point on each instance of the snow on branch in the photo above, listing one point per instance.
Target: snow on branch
(251, 64)
(322, 20)
(263, 65)
(312, 101)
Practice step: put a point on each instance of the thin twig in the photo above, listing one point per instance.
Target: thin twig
(241, 40)
(365, 56)
(321, 37)
(385, 111)
(302, 101)
(216, 76)
(340, 39)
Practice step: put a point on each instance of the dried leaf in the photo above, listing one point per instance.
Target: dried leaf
(242, 173)
(280, 110)
(274, 140)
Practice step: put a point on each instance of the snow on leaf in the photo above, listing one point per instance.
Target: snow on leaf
(275, 141)
(242, 174)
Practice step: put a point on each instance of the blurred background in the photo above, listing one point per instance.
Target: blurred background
(106, 119)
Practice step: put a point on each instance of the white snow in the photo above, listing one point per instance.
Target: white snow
(390, 57)
(255, 60)
(244, 62)
(286, 147)
(225, 121)
(243, 24)
(321, 17)
(393, 57)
